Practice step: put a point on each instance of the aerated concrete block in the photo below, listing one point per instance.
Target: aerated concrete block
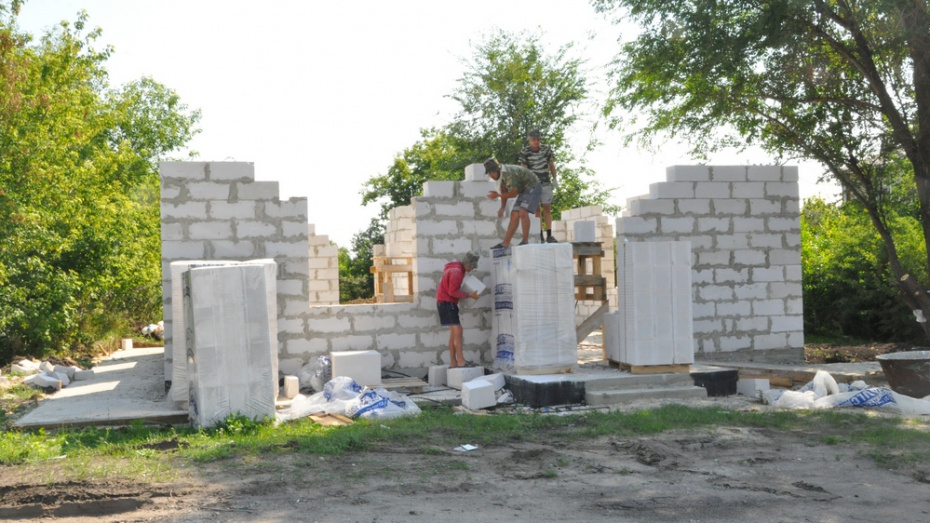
(81, 375)
(460, 375)
(496, 379)
(585, 231)
(751, 386)
(478, 394)
(437, 375)
(43, 380)
(363, 366)
(291, 387)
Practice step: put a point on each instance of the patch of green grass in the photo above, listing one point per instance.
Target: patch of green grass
(141, 451)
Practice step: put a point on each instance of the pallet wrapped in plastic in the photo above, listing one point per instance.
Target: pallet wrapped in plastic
(231, 338)
(533, 320)
(654, 280)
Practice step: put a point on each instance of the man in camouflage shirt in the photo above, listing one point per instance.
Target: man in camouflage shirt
(515, 182)
(538, 158)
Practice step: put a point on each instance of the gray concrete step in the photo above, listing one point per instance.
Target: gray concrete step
(639, 381)
(618, 396)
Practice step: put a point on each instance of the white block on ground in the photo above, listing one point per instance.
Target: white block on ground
(751, 386)
(612, 335)
(25, 367)
(363, 366)
(459, 375)
(496, 379)
(62, 377)
(437, 375)
(585, 231)
(47, 366)
(126, 344)
(81, 375)
(43, 380)
(67, 371)
(291, 387)
(478, 394)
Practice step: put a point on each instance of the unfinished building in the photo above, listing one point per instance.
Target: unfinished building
(742, 222)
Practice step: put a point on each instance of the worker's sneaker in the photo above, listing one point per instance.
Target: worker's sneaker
(551, 240)
(500, 246)
(523, 243)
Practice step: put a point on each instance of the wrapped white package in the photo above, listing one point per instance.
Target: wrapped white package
(232, 347)
(654, 280)
(176, 367)
(534, 309)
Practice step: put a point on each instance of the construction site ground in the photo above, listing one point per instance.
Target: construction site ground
(714, 474)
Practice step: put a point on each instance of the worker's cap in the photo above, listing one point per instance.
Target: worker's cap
(471, 259)
(491, 165)
(534, 134)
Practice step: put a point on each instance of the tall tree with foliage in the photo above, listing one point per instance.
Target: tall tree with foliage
(79, 217)
(510, 86)
(842, 82)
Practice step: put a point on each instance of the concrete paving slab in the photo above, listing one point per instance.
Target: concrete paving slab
(128, 386)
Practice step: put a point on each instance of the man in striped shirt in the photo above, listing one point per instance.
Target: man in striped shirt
(539, 159)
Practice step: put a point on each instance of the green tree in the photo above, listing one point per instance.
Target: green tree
(510, 86)
(846, 274)
(79, 217)
(845, 83)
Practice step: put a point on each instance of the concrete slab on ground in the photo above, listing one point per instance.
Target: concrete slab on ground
(128, 386)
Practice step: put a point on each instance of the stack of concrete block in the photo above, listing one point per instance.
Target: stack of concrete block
(533, 315)
(176, 365)
(743, 223)
(655, 304)
(47, 375)
(231, 323)
(323, 262)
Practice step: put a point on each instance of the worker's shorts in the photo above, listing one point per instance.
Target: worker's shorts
(528, 200)
(448, 313)
(545, 197)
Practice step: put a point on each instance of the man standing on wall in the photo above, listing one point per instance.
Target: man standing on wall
(515, 182)
(447, 299)
(539, 159)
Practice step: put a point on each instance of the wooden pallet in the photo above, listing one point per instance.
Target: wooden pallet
(651, 369)
(414, 385)
(330, 420)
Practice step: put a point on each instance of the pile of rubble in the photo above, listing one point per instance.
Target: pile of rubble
(48, 376)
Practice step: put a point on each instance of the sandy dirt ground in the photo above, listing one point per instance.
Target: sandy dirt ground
(713, 475)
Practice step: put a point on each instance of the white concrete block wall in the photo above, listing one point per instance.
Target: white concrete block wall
(217, 211)
(564, 230)
(743, 223)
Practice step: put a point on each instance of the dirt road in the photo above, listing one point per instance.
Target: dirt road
(712, 475)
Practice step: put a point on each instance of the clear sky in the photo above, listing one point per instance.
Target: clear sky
(322, 95)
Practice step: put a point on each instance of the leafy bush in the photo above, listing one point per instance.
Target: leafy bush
(848, 287)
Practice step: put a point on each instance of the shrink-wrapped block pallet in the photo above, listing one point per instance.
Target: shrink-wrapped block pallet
(533, 320)
(231, 321)
(654, 280)
(175, 346)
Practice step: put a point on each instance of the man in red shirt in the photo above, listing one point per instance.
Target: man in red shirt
(447, 298)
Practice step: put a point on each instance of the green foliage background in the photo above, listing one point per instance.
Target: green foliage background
(848, 286)
(79, 215)
(510, 85)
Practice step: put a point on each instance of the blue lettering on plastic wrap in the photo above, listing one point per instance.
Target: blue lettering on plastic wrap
(370, 401)
(876, 397)
(505, 346)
